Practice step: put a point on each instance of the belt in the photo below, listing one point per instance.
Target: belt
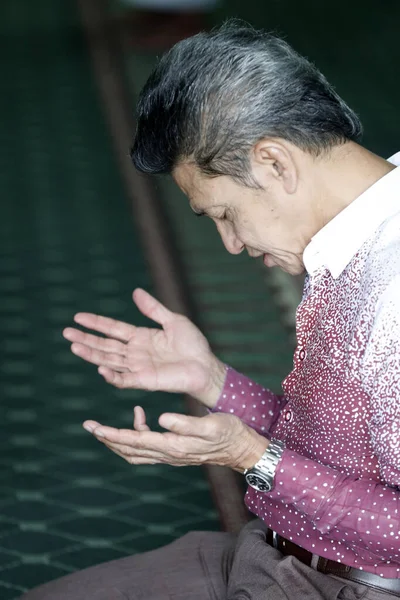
(331, 567)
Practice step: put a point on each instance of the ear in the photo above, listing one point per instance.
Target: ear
(274, 158)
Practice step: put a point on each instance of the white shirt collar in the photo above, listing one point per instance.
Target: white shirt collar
(336, 244)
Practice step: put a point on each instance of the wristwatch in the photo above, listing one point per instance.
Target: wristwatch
(261, 476)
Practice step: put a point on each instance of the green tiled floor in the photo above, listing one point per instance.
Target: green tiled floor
(68, 244)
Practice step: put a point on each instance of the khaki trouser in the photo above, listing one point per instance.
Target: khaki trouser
(205, 566)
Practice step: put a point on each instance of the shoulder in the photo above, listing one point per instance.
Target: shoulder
(382, 264)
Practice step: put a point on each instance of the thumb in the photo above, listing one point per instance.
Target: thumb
(181, 424)
(151, 308)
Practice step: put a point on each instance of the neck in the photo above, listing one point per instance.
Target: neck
(348, 172)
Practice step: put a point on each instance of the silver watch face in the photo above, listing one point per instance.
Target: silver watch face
(258, 482)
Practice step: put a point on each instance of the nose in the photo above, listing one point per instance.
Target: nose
(230, 240)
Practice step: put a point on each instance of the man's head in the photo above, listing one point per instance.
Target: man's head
(240, 119)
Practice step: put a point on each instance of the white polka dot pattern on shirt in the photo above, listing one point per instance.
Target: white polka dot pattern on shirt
(337, 487)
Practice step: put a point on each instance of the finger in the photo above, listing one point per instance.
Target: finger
(185, 425)
(140, 440)
(163, 446)
(90, 425)
(139, 419)
(135, 457)
(137, 460)
(134, 446)
(99, 358)
(93, 341)
(129, 452)
(115, 329)
(152, 308)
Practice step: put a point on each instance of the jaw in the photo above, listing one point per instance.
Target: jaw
(294, 269)
(291, 267)
(287, 260)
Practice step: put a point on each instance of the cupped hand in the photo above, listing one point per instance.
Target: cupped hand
(218, 439)
(175, 358)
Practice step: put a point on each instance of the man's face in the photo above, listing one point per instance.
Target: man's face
(267, 222)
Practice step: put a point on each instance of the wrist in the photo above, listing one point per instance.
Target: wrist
(256, 446)
(209, 397)
(261, 476)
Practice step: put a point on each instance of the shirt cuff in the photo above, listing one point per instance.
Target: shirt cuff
(255, 405)
(304, 483)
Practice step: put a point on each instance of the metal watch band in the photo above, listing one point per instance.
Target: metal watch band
(261, 476)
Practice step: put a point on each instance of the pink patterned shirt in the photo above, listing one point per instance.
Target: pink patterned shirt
(337, 487)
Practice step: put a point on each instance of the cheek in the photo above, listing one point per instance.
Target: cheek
(251, 234)
(226, 228)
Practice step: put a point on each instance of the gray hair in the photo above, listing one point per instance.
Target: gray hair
(213, 96)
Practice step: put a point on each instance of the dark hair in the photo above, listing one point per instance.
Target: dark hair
(214, 95)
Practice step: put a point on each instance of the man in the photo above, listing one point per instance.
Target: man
(261, 143)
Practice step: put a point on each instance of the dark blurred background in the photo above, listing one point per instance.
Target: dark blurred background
(69, 243)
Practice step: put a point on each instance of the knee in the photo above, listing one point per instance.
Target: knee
(193, 536)
(190, 540)
(202, 539)
(38, 593)
(57, 589)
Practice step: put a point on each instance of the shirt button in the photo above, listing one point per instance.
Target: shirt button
(288, 416)
(302, 354)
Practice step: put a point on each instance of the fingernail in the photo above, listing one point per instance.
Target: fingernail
(88, 428)
(98, 433)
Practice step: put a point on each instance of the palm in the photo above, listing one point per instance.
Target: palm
(176, 358)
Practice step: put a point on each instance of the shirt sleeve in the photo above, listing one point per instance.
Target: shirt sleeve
(362, 513)
(255, 405)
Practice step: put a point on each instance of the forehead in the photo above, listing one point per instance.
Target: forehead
(202, 191)
(189, 179)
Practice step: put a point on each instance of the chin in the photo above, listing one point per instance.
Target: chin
(293, 269)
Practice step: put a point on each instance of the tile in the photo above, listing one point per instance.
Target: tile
(96, 528)
(19, 454)
(8, 592)
(28, 481)
(32, 575)
(21, 415)
(28, 542)
(143, 484)
(158, 512)
(195, 498)
(17, 390)
(73, 469)
(22, 428)
(98, 496)
(6, 559)
(33, 511)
